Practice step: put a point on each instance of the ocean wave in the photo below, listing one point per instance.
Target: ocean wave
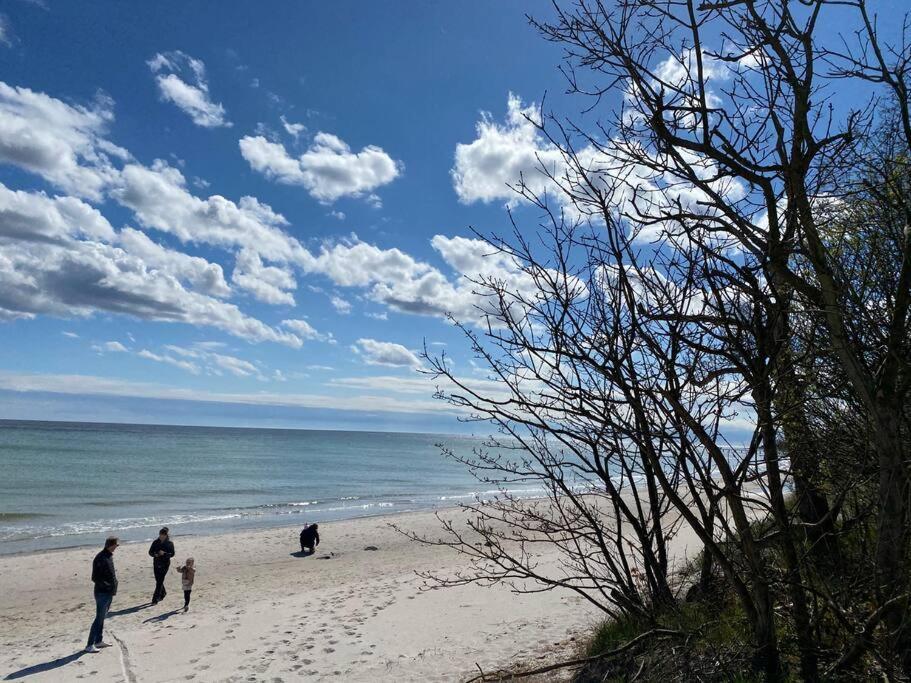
(21, 516)
(29, 527)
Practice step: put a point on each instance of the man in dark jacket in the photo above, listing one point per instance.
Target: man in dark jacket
(161, 551)
(105, 579)
(309, 538)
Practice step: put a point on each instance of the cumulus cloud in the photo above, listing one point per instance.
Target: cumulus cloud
(63, 143)
(62, 257)
(82, 277)
(385, 353)
(204, 276)
(159, 197)
(514, 154)
(62, 267)
(305, 330)
(182, 80)
(269, 284)
(341, 305)
(502, 155)
(35, 217)
(328, 169)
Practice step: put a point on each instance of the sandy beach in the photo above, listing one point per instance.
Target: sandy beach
(260, 613)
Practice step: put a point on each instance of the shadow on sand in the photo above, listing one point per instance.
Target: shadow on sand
(45, 667)
(303, 553)
(162, 617)
(128, 610)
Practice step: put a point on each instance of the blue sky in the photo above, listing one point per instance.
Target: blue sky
(260, 215)
(249, 215)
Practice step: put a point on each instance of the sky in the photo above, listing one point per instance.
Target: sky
(257, 215)
(261, 214)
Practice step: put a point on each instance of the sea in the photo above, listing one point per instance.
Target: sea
(66, 484)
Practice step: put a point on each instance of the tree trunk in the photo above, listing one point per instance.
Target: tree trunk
(892, 538)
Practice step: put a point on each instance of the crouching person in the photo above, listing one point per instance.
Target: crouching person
(310, 538)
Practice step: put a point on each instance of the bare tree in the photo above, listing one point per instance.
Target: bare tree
(730, 241)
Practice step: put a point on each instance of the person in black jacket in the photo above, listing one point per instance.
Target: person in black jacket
(161, 551)
(105, 579)
(309, 538)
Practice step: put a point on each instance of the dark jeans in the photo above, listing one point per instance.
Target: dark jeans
(160, 572)
(102, 605)
(186, 598)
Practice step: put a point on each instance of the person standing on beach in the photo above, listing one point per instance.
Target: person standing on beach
(188, 576)
(309, 538)
(161, 551)
(105, 579)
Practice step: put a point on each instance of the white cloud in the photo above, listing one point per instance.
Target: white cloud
(172, 72)
(205, 277)
(293, 129)
(305, 330)
(80, 277)
(71, 335)
(328, 169)
(341, 305)
(215, 362)
(514, 154)
(6, 33)
(35, 217)
(110, 346)
(65, 259)
(60, 142)
(170, 360)
(502, 155)
(103, 386)
(385, 353)
(269, 284)
(236, 366)
(159, 197)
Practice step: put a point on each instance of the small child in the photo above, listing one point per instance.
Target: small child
(188, 572)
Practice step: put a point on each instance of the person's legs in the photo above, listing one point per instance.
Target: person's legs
(160, 592)
(186, 599)
(159, 584)
(102, 605)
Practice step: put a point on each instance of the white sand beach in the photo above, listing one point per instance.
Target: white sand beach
(259, 613)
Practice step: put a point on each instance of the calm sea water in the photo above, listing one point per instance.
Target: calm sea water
(66, 484)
